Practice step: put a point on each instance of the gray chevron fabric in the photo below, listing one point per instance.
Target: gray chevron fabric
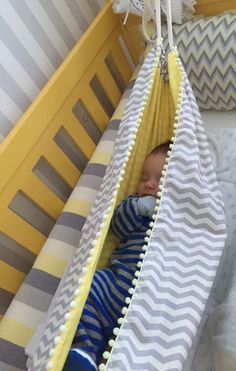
(95, 219)
(181, 260)
(207, 47)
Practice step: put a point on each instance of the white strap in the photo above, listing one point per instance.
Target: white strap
(152, 10)
(169, 24)
(158, 18)
(127, 14)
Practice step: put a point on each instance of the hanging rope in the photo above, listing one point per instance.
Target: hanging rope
(169, 24)
(152, 10)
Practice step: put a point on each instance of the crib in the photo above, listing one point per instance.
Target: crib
(54, 140)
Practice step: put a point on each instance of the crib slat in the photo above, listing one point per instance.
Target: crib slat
(108, 84)
(43, 197)
(121, 62)
(93, 106)
(79, 134)
(132, 41)
(10, 277)
(23, 232)
(62, 165)
(114, 47)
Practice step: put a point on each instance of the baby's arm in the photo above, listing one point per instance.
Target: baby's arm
(126, 218)
(131, 214)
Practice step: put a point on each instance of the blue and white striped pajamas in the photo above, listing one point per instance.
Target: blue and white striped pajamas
(110, 286)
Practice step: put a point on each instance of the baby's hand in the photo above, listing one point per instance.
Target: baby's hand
(146, 205)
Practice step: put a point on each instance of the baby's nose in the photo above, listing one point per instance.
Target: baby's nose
(152, 184)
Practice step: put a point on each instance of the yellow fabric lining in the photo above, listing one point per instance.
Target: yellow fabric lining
(174, 77)
(156, 128)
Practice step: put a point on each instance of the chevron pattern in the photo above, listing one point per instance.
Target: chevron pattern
(208, 51)
(182, 256)
(61, 303)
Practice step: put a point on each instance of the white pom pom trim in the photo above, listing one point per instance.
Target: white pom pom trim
(106, 355)
(67, 316)
(52, 352)
(62, 328)
(116, 331)
(92, 251)
(102, 367)
(139, 264)
(111, 342)
(120, 320)
(127, 300)
(57, 340)
(73, 304)
(49, 365)
(77, 291)
(81, 280)
(124, 310)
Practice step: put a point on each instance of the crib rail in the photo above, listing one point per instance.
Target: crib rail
(44, 155)
(213, 7)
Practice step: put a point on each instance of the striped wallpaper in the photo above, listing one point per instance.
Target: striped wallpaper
(35, 38)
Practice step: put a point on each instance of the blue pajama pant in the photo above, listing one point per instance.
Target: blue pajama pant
(102, 309)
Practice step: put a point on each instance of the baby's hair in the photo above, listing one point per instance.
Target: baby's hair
(162, 148)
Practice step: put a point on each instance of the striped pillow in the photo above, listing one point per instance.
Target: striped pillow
(207, 47)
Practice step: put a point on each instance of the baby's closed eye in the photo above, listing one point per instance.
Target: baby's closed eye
(144, 177)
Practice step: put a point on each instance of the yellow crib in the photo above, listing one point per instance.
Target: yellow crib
(72, 111)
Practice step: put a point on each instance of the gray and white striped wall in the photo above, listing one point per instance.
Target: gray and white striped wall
(35, 38)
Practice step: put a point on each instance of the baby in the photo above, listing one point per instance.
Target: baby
(111, 286)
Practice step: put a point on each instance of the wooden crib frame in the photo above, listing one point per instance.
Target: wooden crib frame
(34, 136)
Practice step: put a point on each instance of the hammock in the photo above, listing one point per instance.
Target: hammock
(183, 246)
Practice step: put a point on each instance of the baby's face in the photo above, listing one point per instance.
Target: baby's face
(151, 173)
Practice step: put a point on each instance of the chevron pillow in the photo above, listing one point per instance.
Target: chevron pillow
(207, 47)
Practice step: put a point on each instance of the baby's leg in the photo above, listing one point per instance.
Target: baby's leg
(100, 314)
(96, 324)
